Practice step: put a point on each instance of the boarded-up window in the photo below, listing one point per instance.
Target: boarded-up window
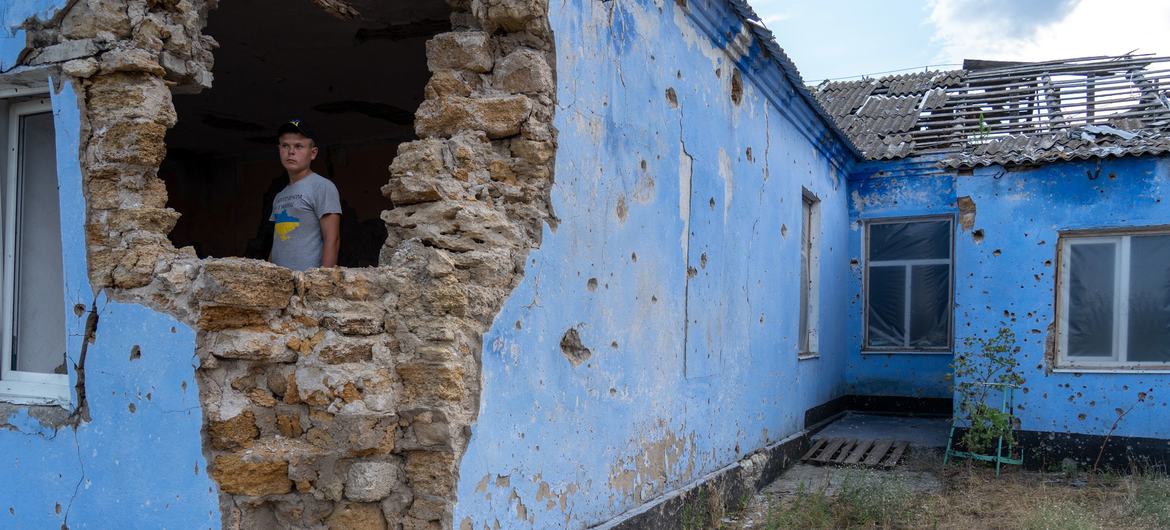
(809, 268)
(908, 285)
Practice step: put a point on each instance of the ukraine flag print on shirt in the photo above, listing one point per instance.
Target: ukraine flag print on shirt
(285, 223)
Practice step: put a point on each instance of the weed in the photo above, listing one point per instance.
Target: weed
(1061, 515)
(1151, 498)
(807, 510)
(705, 509)
(868, 498)
(986, 365)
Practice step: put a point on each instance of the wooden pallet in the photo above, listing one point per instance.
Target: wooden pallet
(848, 452)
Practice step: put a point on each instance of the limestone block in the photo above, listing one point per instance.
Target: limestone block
(411, 189)
(462, 50)
(239, 477)
(511, 15)
(524, 71)
(335, 284)
(347, 352)
(498, 116)
(289, 425)
(457, 226)
(88, 18)
(354, 323)
(130, 60)
(123, 96)
(138, 143)
(430, 473)
(245, 283)
(355, 516)
(135, 266)
(533, 152)
(428, 508)
(157, 220)
(81, 68)
(425, 159)
(446, 83)
(431, 381)
(65, 51)
(397, 503)
(372, 481)
(233, 433)
(250, 345)
(218, 318)
(435, 435)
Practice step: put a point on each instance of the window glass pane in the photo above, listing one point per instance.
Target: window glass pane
(1149, 299)
(40, 298)
(1090, 299)
(887, 307)
(911, 240)
(930, 315)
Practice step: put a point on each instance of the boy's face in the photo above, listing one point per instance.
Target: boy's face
(297, 152)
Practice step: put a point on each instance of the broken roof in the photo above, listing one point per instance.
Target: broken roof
(1010, 113)
(788, 69)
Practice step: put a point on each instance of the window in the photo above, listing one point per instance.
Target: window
(908, 285)
(1114, 299)
(809, 265)
(32, 318)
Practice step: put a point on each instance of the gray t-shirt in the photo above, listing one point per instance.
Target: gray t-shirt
(297, 212)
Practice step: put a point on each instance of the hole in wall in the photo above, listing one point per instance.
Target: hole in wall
(574, 350)
(736, 87)
(355, 83)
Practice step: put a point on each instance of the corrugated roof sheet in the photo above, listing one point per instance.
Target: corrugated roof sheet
(1018, 113)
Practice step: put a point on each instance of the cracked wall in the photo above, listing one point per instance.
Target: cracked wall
(332, 398)
(1005, 265)
(653, 147)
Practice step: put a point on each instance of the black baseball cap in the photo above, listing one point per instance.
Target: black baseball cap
(297, 125)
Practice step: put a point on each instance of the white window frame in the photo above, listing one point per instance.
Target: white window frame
(18, 386)
(810, 256)
(1121, 284)
(907, 265)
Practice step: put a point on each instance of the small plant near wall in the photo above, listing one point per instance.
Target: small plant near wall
(985, 377)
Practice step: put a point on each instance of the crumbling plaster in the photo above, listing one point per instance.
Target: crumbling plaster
(339, 398)
(659, 172)
(890, 189)
(1005, 267)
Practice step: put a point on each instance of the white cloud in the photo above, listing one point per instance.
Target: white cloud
(1048, 29)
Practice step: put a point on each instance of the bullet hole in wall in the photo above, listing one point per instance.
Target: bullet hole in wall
(573, 349)
(736, 87)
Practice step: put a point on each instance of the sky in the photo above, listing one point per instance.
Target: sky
(848, 38)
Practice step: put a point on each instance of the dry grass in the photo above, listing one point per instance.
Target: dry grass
(972, 497)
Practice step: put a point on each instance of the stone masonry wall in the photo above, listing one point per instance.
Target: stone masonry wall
(333, 398)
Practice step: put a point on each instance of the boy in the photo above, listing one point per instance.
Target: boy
(307, 212)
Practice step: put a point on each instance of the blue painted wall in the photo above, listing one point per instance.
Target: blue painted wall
(1008, 279)
(881, 190)
(13, 13)
(644, 190)
(138, 463)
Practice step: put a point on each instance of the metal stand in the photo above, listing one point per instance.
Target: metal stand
(1007, 406)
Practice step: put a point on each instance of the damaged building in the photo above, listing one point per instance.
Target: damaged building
(595, 254)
